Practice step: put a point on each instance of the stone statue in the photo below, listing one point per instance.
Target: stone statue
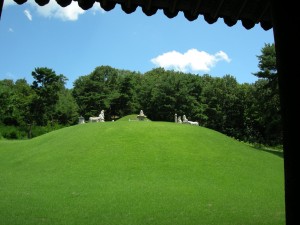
(184, 119)
(101, 116)
(179, 119)
(141, 116)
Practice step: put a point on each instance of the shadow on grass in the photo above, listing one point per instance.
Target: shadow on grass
(272, 151)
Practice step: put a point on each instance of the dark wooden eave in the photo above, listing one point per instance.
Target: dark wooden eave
(249, 12)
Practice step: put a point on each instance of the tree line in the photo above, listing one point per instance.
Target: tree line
(247, 112)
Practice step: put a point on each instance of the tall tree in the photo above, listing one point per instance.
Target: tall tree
(126, 101)
(66, 108)
(7, 102)
(97, 91)
(165, 93)
(267, 63)
(268, 93)
(46, 85)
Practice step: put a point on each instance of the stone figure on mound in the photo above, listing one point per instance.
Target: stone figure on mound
(185, 120)
(141, 116)
(100, 118)
(179, 119)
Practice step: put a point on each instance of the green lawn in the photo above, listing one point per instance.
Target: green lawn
(138, 173)
(131, 118)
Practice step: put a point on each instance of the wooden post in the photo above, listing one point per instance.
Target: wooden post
(286, 36)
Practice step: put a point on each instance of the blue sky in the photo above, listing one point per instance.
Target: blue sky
(74, 42)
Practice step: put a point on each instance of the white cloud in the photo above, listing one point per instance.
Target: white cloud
(27, 14)
(53, 10)
(193, 60)
(10, 30)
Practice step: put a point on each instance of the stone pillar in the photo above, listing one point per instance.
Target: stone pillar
(81, 120)
(175, 118)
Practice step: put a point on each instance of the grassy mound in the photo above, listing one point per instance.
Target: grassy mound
(138, 173)
(132, 117)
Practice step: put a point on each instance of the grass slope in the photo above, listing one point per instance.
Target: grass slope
(132, 118)
(138, 173)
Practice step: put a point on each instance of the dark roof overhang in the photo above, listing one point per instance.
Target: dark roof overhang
(249, 12)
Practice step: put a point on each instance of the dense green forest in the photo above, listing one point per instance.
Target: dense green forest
(247, 112)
